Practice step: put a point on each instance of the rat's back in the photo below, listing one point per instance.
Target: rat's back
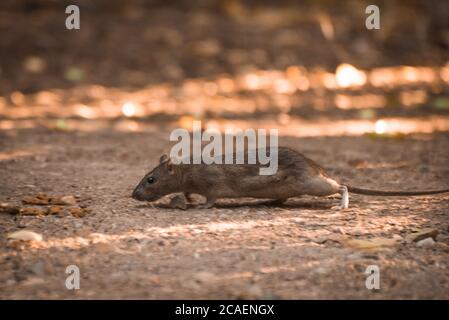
(294, 171)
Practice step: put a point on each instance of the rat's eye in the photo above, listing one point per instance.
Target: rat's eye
(151, 180)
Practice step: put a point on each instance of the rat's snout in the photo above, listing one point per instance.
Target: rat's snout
(142, 193)
(137, 195)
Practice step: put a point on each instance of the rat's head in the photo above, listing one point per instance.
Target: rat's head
(158, 182)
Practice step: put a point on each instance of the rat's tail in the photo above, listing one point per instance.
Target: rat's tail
(393, 193)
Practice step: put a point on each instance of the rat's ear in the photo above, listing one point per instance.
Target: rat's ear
(163, 158)
(167, 162)
(170, 167)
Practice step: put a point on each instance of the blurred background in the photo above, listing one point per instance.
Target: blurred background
(298, 66)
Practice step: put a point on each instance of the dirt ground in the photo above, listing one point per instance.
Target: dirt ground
(239, 249)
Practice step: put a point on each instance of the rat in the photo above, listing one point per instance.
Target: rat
(297, 175)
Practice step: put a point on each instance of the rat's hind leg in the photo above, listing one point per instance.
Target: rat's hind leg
(324, 186)
(344, 204)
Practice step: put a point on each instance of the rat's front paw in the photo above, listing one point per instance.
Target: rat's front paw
(178, 202)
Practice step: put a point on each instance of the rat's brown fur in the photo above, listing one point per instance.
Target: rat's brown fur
(296, 176)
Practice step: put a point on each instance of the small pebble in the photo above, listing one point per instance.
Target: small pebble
(428, 242)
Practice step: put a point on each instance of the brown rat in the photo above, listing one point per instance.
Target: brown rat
(296, 175)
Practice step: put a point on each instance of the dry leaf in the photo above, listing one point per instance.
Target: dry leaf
(8, 208)
(54, 210)
(369, 244)
(422, 234)
(32, 211)
(79, 212)
(39, 199)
